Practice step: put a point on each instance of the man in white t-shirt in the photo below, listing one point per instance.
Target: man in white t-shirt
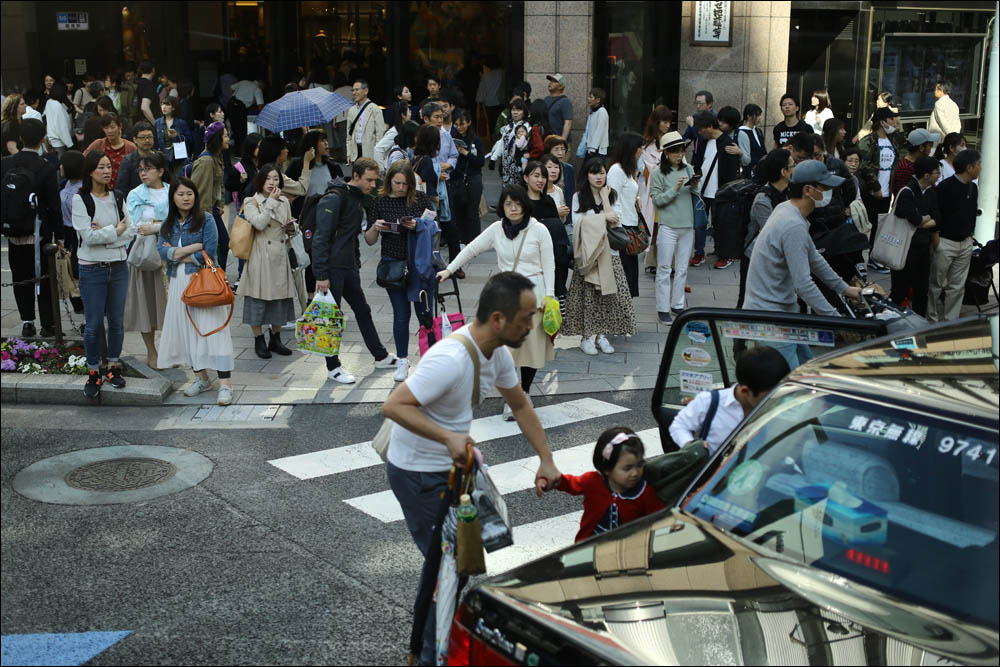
(433, 410)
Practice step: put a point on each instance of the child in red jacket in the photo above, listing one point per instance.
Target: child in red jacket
(616, 492)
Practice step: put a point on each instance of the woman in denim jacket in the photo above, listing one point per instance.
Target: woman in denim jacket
(186, 234)
(146, 301)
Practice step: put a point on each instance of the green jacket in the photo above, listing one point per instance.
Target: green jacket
(869, 150)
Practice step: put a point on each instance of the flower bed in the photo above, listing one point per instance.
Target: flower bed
(33, 358)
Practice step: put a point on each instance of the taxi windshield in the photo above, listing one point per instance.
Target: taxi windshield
(900, 501)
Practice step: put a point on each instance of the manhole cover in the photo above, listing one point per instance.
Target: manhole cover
(125, 474)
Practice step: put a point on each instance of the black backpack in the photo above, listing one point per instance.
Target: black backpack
(731, 216)
(307, 216)
(19, 203)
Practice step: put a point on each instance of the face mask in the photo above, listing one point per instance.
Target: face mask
(827, 198)
(889, 129)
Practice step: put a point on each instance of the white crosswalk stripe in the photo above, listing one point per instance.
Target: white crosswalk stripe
(361, 455)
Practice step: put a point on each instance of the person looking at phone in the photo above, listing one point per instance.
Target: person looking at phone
(784, 257)
(392, 216)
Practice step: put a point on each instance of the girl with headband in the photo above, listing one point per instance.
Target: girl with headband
(615, 493)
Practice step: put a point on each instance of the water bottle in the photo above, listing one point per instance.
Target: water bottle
(466, 510)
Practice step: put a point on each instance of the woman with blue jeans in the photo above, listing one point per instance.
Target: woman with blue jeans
(393, 215)
(104, 229)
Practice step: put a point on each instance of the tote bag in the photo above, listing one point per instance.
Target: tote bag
(144, 254)
(892, 242)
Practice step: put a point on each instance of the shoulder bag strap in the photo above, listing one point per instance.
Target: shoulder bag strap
(474, 354)
(354, 125)
(517, 257)
(708, 174)
(710, 415)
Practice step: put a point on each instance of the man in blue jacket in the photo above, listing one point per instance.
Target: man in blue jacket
(336, 257)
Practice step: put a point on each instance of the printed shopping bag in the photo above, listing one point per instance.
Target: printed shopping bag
(319, 329)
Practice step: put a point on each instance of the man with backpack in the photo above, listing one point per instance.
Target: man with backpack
(336, 257)
(31, 217)
(713, 415)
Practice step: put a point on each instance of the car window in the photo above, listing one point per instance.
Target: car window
(704, 355)
(901, 501)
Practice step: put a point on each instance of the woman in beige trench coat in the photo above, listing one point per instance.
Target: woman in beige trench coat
(267, 285)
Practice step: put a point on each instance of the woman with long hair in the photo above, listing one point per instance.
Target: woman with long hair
(104, 238)
(522, 244)
(207, 175)
(467, 177)
(834, 133)
(170, 130)
(657, 125)
(10, 123)
(670, 192)
(148, 205)
(952, 144)
(267, 285)
(622, 178)
(599, 303)
(392, 217)
(321, 167)
(821, 111)
(188, 232)
(59, 119)
(398, 116)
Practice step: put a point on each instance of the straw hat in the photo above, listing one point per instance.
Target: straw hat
(672, 139)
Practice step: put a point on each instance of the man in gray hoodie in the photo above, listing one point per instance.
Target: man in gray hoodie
(784, 256)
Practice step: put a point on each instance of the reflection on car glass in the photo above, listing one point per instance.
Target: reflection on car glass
(778, 333)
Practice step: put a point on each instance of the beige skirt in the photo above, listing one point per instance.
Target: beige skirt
(536, 349)
(146, 300)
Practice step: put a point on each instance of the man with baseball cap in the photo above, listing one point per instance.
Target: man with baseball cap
(880, 152)
(559, 107)
(918, 142)
(784, 256)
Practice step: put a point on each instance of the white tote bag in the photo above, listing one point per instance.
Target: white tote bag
(892, 242)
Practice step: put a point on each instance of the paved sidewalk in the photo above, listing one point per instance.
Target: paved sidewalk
(301, 378)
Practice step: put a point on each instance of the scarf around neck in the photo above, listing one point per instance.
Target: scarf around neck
(511, 230)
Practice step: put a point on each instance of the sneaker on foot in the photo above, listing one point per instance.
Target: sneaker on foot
(93, 386)
(878, 268)
(676, 311)
(225, 395)
(114, 377)
(197, 387)
(664, 317)
(402, 369)
(389, 362)
(697, 260)
(602, 342)
(587, 345)
(339, 374)
(723, 263)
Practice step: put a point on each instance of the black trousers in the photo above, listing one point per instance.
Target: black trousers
(466, 212)
(21, 259)
(744, 267)
(630, 264)
(914, 275)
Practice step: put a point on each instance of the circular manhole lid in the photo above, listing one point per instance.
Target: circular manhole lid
(112, 475)
(126, 474)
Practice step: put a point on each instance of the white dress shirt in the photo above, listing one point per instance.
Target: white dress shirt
(58, 125)
(688, 422)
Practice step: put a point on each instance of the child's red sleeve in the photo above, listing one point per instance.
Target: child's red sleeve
(574, 485)
(651, 501)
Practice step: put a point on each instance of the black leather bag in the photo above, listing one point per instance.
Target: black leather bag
(618, 238)
(391, 273)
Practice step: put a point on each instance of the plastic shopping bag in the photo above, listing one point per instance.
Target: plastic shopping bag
(551, 316)
(319, 329)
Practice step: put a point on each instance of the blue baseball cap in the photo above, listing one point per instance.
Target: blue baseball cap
(814, 172)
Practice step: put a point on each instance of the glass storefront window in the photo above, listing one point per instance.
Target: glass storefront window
(913, 64)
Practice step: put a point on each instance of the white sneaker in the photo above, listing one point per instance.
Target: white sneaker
(197, 387)
(605, 346)
(587, 345)
(225, 395)
(388, 362)
(508, 414)
(402, 369)
(289, 325)
(340, 374)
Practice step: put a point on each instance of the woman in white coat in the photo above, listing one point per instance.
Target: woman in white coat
(523, 245)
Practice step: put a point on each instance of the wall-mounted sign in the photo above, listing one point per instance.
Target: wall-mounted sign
(73, 21)
(712, 23)
(79, 66)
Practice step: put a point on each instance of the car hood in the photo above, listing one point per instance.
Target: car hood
(673, 589)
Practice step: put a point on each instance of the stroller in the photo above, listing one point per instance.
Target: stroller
(980, 279)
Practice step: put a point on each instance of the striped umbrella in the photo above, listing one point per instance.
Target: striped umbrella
(302, 108)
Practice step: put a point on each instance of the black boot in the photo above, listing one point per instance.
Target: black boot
(260, 347)
(277, 346)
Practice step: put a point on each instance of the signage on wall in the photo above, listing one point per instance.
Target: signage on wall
(79, 66)
(73, 21)
(712, 23)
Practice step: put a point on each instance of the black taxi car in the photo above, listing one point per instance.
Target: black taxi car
(851, 518)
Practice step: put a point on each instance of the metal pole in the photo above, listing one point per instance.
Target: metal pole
(987, 220)
(50, 250)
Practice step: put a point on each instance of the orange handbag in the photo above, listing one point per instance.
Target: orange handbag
(208, 288)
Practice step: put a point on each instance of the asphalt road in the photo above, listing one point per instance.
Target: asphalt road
(251, 566)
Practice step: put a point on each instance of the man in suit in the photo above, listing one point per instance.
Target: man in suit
(364, 123)
(945, 116)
